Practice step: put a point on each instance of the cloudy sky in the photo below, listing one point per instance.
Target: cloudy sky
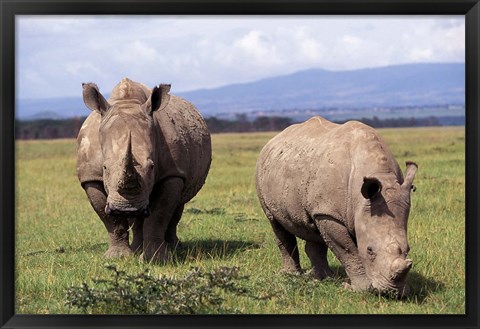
(55, 54)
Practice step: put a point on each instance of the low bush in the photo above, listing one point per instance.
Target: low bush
(195, 293)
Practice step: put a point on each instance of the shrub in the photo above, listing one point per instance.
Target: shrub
(196, 292)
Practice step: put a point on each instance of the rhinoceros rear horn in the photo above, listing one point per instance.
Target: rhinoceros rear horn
(93, 99)
(159, 98)
(409, 174)
(371, 187)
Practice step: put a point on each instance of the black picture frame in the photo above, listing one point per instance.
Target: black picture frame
(10, 8)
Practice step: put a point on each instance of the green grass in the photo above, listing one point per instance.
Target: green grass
(60, 240)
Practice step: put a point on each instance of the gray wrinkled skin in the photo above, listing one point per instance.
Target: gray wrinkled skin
(338, 187)
(141, 156)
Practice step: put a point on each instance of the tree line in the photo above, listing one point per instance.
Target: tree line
(68, 128)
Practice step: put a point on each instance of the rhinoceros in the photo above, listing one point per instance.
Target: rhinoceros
(141, 156)
(338, 187)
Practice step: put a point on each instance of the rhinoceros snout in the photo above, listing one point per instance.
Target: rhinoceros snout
(126, 212)
(394, 284)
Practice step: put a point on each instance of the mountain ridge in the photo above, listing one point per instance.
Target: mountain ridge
(400, 85)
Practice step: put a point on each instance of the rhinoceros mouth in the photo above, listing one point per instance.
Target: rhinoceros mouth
(127, 212)
(396, 293)
(392, 289)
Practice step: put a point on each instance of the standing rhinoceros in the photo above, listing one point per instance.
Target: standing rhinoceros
(141, 156)
(338, 186)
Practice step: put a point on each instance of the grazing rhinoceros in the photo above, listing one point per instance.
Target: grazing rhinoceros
(338, 186)
(141, 156)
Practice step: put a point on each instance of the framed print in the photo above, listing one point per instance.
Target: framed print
(221, 164)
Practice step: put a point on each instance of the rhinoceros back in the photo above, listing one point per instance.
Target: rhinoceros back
(310, 169)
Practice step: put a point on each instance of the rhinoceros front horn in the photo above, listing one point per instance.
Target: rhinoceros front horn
(129, 177)
(400, 267)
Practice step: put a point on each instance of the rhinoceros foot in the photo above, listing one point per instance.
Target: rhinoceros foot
(320, 274)
(137, 246)
(156, 252)
(117, 252)
(173, 246)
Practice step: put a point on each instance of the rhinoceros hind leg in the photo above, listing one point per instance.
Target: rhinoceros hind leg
(171, 234)
(287, 243)
(117, 229)
(317, 253)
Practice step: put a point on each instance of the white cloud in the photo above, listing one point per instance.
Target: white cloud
(74, 68)
(420, 54)
(256, 47)
(310, 49)
(135, 52)
(453, 43)
(33, 77)
(352, 41)
(205, 51)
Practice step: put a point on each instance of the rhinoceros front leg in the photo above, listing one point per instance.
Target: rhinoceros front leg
(164, 203)
(338, 239)
(117, 228)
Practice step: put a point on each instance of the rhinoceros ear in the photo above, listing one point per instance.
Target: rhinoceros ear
(409, 174)
(93, 99)
(159, 98)
(371, 187)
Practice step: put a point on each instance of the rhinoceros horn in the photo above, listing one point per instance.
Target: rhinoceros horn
(409, 174)
(129, 177)
(400, 268)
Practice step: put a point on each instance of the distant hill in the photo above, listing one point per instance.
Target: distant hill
(46, 115)
(51, 108)
(392, 86)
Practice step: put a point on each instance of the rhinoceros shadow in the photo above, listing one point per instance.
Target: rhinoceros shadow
(186, 250)
(190, 250)
(422, 287)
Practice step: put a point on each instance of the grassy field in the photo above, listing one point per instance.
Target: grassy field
(60, 240)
